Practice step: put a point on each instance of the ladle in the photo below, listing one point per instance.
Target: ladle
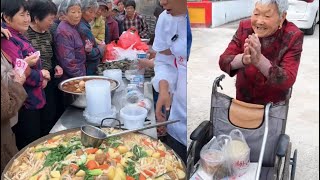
(92, 136)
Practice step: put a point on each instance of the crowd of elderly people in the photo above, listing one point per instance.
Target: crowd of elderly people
(71, 36)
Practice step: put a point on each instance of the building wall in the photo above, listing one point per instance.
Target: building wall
(227, 11)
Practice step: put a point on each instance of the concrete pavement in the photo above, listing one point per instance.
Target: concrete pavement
(303, 118)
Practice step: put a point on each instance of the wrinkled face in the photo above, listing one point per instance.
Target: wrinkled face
(102, 10)
(120, 6)
(89, 14)
(265, 19)
(73, 15)
(130, 11)
(20, 21)
(46, 23)
(173, 7)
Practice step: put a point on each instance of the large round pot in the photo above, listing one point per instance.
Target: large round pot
(50, 136)
(79, 99)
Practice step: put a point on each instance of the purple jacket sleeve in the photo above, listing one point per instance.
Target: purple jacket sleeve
(35, 78)
(65, 54)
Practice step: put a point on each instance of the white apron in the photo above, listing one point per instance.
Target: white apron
(173, 69)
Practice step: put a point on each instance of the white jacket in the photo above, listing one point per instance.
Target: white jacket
(173, 68)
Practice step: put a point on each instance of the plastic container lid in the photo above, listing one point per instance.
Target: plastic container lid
(133, 116)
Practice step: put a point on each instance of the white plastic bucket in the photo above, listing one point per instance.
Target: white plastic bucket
(133, 116)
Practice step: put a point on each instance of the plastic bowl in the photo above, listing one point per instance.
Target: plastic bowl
(211, 161)
(133, 116)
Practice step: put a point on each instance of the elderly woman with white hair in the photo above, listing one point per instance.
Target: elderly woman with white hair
(264, 53)
(69, 48)
(94, 52)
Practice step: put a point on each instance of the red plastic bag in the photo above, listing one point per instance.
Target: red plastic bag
(110, 53)
(141, 46)
(129, 38)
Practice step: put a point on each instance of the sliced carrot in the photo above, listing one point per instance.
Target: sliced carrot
(50, 141)
(104, 166)
(74, 166)
(118, 159)
(39, 177)
(107, 156)
(130, 178)
(92, 164)
(145, 142)
(162, 153)
(141, 177)
(91, 150)
(150, 171)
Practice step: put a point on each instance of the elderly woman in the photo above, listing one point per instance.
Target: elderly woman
(42, 15)
(264, 54)
(69, 48)
(17, 20)
(94, 53)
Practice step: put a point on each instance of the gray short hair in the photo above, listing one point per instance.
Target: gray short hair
(282, 5)
(66, 4)
(86, 4)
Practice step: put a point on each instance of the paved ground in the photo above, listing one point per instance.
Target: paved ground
(303, 119)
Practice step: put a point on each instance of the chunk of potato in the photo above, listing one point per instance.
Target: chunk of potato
(156, 155)
(111, 152)
(111, 172)
(81, 173)
(128, 154)
(149, 152)
(123, 162)
(120, 173)
(99, 151)
(169, 167)
(181, 174)
(55, 174)
(91, 157)
(117, 177)
(123, 149)
(39, 155)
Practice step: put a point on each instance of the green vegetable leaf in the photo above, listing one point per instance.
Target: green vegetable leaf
(95, 172)
(130, 170)
(139, 152)
(114, 141)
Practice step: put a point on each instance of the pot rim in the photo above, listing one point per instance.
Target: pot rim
(87, 77)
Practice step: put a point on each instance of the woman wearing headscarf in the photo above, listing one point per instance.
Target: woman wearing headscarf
(264, 54)
(94, 52)
(69, 48)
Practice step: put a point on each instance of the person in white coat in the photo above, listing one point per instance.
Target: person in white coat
(171, 72)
